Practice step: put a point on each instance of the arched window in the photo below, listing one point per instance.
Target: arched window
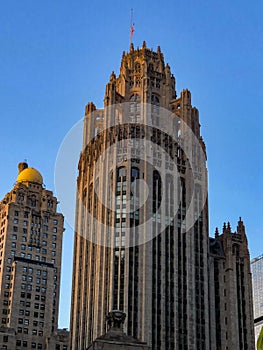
(121, 172)
(137, 68)
(134, 173)
(157, 191)
(155, 102)
(135, 108)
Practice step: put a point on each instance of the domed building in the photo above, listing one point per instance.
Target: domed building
(30, 263)
(27, 174)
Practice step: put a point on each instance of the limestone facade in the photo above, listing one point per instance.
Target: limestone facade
(31, 232)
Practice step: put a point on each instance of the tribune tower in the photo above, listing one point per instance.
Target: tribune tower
(161, 281)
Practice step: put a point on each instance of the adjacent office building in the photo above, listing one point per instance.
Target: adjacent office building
(257, 281)
(31, 232)
(146, 249)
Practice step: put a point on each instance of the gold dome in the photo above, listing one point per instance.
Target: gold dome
(31, 175)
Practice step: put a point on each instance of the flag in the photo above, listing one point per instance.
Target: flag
(132, 30)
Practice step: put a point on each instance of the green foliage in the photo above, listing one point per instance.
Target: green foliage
(260, 340)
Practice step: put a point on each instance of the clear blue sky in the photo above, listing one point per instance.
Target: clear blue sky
(58, 55)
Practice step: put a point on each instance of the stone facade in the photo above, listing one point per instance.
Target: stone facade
(31, 244)
(231, 303)
(161, 284)
(167, 285)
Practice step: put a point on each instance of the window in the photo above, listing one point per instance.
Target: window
(55, 222)
(53, 253)
(44, 243)
(13, 244)
(5, 338)
(54, 229)
(16, 212)
(26, 322)
(15, 229)
(54, 237)
(14, 237)
(15, 221)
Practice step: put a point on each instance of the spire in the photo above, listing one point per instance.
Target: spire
(112, 76)
(224, 228)
(216, 232)
(240, 227)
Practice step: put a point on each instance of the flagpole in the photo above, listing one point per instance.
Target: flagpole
(132, 27)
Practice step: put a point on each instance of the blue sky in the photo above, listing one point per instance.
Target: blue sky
(58, 55)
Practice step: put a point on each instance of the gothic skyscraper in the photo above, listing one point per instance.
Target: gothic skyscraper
(141, 233)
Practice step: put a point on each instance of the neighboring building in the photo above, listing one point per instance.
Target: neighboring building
(30, 260)
(7, 338)
(231, 312)
(115, 338)
(59, 340)
(162, 283)
(257, 282)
